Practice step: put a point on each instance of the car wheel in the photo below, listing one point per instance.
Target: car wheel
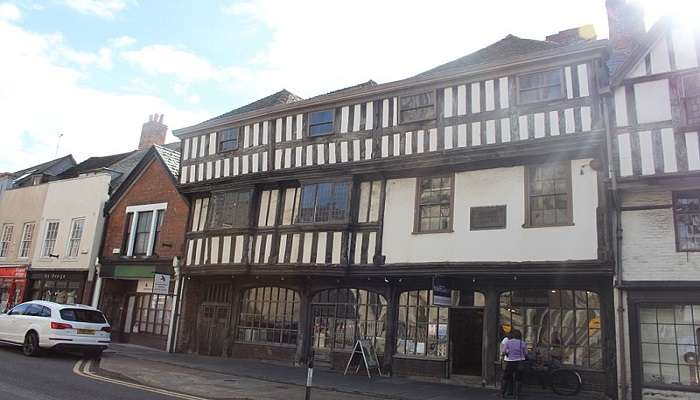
(92, 354)
(30, 347)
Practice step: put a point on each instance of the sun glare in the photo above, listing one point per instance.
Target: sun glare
(687, 12)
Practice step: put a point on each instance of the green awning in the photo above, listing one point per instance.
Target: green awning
(133, 271)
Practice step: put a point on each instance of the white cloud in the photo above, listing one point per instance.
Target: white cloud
(101, 59)
(121, 41)
(9, 12)
(100, 8)
(41, 97)
(161, 59)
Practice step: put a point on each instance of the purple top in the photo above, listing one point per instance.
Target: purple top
(516, 350)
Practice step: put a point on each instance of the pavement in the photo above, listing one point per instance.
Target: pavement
(220, 378)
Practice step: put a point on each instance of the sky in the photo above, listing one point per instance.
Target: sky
(93, 71)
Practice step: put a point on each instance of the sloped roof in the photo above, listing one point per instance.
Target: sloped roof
(363, 85)
(42, 168)
(621, 64)
(170, 157)
(282, 97)
(92, 164)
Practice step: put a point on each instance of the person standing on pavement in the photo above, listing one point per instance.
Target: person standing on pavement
(515, 352)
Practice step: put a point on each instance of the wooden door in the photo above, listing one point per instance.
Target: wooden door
(213, 328)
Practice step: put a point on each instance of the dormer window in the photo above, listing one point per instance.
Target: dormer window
(321, 122)
(417, 107)
(228, 139)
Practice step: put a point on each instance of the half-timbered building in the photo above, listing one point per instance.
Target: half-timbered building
(316, 222)
(655, 181)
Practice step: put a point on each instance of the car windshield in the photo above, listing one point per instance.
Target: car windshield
(78, 315)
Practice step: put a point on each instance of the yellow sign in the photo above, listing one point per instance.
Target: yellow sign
(507, 328)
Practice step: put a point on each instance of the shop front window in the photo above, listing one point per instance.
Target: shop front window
(669, 339)
(563, 325)
(152, 314)
(269, 315)
(422, 326)
(341, 316)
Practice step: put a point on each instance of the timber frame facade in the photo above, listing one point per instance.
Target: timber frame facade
(484, 125)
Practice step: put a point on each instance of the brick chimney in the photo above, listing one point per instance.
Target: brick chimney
(153, 131)
(574, 35)
(626, 24)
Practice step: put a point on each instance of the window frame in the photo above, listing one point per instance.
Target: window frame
(400, 109)
(220, 141)
(71, 239)
(212, 210)
(6, 239)
(310, 125)
(135, 211)
(46, 238)
(348, 209)
(685, 97)
(562, 84)
(675, 196)
(417, 205)
(570, 201)
(256, 321)
(25, 244)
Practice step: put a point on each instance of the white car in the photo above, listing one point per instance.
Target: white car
(37, 325)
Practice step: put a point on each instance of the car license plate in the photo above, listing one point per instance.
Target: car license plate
(86, 332)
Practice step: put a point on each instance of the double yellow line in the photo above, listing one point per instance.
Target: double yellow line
(83, 368)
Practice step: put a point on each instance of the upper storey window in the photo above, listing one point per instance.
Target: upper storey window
(324, 202)
(321, 122)
(691, 98)
(230, 210)
(434, 204)
(417, 107)
(228, 139)
(686, 209)
(548, 190)
(540, 86)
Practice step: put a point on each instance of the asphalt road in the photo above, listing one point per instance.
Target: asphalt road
(51, 377)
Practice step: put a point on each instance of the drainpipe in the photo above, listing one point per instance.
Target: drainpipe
(618, 298)
(170, 346)
(98, 284)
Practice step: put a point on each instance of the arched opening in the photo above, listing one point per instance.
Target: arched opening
(269, 315)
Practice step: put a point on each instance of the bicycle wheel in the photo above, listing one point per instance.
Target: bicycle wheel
(566, 382)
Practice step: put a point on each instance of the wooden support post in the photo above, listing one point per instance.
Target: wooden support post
(305, 335)
(490, 340)
(392, 325)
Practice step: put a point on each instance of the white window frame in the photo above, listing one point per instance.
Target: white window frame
(46, 237)
(135, 210)
(73, 222)
(6, 239)
(24, 240)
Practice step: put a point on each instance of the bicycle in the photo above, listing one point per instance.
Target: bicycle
(562, 380)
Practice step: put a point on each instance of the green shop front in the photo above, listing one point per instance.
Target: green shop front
(138, 310)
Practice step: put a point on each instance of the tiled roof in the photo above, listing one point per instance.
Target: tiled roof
(42, 168)
(282, 97)
(170, 157)
(362, 85)
(93, 163)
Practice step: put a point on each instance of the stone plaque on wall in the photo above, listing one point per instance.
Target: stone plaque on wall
(482, 218)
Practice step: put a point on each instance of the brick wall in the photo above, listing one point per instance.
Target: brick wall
(153, 186)
(649, 241)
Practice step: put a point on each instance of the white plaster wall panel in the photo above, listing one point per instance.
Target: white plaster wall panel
(226, 250)
(343, 151)
(245, 164)
(205, 259)
(288, 158)
(621, 107)
(238, 249)
(254, 161)
(553, 123)
(649, 243)
(320, 154)
(369, 116)
(476, 97)
(278, 130)
(344, 119)
(192, 174)
(462, 135)
(195, 141)
(297, 156)
(447, 102)
(522, 127)
(374, 202)
(195, 215)
(227, 166)
(489, 96)
(691, 143)
(236, 166)
(283, 248)
(448, 137)
(331, 153)
(309, 155)
(256, 134)
(659, 57)
(202, 146)
(586, 119)
(209, 170)
(186, 149)
(461, 100)
(539, 125)
(263, 161)
(668, 143)
(363, 208)
(268, 248)
(503, 92)
(289, 200)
(653, 101)
(569, 121)
(356, 155)
(200, 172)
(371, 245)
(308, 242)
(505, 130)
(396, 111)
(397, 144)
(646, 153)
(336, 250)
(491, 131)
(420, 146)
(476, 133)
(321, 248)
(217, 169)
(408, 136)
(190, 251)
(272, 213)
(356, 117)
(433, 139)
(684, 48)
(385, 113)
(246, 136)
(183, 175)
(265, 132)
(264, 206)
(300, 125)
(256, 254)
(639, 70)
(214, 259)
(569, 83)
(358, 248)
(198, 252)
(583, 80)
(288, 128)
(496, 186)
(368, 149)
(624, 150)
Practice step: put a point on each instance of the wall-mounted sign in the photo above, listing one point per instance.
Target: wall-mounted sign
(161, 283)
(442, 294)
(482, 218)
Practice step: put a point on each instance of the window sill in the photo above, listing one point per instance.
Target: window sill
(528, 226)
(675, 388)
(431, 232)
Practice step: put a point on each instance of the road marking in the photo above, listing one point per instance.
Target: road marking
(82, 368)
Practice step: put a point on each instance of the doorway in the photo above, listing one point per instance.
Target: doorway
(466, 338)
